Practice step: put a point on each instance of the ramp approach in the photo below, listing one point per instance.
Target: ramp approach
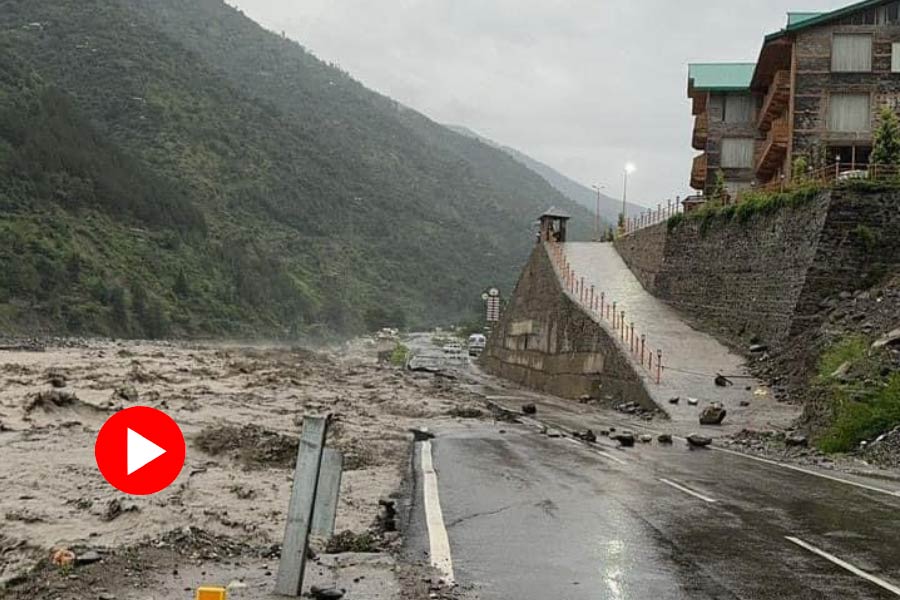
(677, 360)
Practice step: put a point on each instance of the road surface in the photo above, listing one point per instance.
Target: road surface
(530, 516)
(692, 358)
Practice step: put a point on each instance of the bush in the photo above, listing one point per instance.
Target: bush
(859, 419)
(400, 355)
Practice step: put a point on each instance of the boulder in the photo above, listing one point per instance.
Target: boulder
(326, 594)
(664, 438)
(796, 440)
(421, 434)
(693, 401)
(889, 339)
(646, 438)
(587, 436)
(695, 440)
(713, 414)
(758, 348)
(529, 409)
(674, 400)
(624, 438)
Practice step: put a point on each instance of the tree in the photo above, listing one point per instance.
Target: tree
(886, 149)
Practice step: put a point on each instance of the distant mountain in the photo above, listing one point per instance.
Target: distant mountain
(169, 167)
(571, 189)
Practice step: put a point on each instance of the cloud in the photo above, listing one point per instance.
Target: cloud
(584, 85)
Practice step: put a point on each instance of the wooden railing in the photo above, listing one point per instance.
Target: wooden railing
(829, 177)
(698, 172)
(701, 131)
(773, 149)
(776, 101)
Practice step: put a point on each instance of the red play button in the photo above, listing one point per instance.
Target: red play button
(140, 450)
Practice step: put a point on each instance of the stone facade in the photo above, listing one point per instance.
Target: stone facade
(546, 341)
(768, 277)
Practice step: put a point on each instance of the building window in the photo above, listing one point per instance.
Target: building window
(849, 113)
(895, 58)
(738, 108)
(851, 53)
(737, 153)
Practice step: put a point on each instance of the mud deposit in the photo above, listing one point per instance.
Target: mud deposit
(221, 522)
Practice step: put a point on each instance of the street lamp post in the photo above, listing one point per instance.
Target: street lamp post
(597, 236)
(629, 168)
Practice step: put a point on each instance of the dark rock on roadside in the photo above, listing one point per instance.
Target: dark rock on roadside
(695, 440)
(421, 434)
(664, 438)
(796, 440)
(587, 436)
(326, 594)
(758, 348)
(529, 409)
(713, 414)
(624, 438)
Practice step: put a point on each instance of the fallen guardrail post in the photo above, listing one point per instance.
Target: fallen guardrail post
(301, 507)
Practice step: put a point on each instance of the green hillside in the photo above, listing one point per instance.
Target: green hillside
(169, 167)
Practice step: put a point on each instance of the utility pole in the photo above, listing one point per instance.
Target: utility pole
(629, 168)
(597, 220)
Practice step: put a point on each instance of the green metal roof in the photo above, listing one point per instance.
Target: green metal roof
(795, 18)
(721, 77)
(813, 19)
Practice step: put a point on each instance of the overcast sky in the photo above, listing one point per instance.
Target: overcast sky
(583, 85)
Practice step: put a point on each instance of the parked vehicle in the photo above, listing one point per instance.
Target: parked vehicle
(477, 344)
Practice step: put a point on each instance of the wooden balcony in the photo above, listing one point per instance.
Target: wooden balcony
(698, 172)
(701, 131)
(776, 101)
(771, 152)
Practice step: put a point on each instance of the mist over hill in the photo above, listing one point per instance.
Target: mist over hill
(171, 167)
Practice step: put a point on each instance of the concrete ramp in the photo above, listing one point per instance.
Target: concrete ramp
(691, 359)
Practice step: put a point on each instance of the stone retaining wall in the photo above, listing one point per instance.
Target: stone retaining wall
(769, 276)
(546, 341)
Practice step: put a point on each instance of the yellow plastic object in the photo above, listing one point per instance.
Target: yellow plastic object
(211, 593)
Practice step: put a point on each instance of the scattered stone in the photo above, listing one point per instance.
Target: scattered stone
(87, 558)
(674, 400)
(693, 401)
(586, 399)
(646, 438)
(421, 434)
(106, 596)
(745, 403)
(664, 438)
(57, 381)
(115, 509)
(796, 440)
(889, 339)
(529, 409)
(695, 440)
(625, 438)
(326, 594)
(713, 414)
(758, 348)
(587, 436)
(723, 381)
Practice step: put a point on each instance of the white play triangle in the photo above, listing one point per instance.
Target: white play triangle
(140, 451)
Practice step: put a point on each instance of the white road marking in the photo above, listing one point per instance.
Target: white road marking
(845, 565)
(438, 539)
(688, 490)
(810, 472)
(600, 452)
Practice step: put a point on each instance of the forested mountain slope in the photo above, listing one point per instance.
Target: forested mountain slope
(171, 167)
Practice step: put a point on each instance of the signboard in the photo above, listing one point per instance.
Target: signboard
(493, 309)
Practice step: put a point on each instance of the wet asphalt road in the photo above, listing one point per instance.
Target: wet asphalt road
(534, 517)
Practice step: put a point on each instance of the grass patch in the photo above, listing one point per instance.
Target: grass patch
(859, 419)
(865, 402)
(400, 355)
(852, 349)
(751, 205)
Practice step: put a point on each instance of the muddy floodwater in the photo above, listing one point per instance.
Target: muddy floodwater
(240, 409)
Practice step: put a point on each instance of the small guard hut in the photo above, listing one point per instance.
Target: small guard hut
(553, 225)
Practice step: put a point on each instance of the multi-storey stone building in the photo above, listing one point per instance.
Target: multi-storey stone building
(814, 92)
